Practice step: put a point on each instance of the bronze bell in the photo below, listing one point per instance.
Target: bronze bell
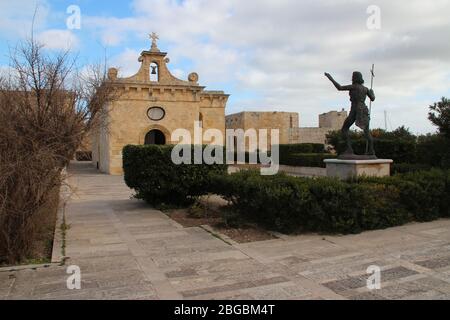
(153, 69)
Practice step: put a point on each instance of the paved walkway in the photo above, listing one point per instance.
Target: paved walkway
(126, 250)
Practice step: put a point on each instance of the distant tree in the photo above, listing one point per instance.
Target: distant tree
(404, 133)
(439, 115)
(433, 150)
(378, 133)
(399, 133)
(335, 138)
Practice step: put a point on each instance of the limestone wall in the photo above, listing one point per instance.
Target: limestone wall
(288, 125)
(332, 119)
(283, 121)
(310, 135)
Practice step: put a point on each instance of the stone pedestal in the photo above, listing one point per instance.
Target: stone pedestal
(345, 169)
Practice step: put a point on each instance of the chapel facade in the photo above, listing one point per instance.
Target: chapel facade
(152, 104)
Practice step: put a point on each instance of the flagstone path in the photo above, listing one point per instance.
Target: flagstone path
(127, 250)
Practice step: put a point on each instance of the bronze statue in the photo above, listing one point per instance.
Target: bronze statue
(359, 114)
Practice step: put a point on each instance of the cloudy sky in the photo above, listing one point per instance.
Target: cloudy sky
(268, 54)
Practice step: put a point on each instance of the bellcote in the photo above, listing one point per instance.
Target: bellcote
(154, 69)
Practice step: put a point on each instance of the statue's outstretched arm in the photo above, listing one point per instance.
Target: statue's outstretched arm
(336, 84)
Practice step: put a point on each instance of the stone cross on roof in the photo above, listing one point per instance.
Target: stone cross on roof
(154, 37)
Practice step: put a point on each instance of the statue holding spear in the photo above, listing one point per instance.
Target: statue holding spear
(372, 75)
(359, 114)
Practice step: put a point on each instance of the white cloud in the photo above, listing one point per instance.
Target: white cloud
(180, 74)
(57, 39)
(6, 72)
(17, 17)
(126, 62)
(110, 30)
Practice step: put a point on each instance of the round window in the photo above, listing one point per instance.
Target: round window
(156, 113)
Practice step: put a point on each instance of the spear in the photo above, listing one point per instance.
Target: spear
(371, 87)
(372, 72)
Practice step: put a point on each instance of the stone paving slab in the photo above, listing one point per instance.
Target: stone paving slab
(127, 250)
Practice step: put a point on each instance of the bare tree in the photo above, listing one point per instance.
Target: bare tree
(47, 107)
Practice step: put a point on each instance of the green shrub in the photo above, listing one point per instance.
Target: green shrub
(273, 201)
(400, 151)
(290, 154)
(289, 204)
(306, 159)
(408, 167)
(398, 146)
(445, 201)
(431, 150)
(331, 209)
(422, 194)
(247, 155)
(353, 207)
(379, 206)
(150, 171)
(429, 194)
(301, 148)
(336, 139)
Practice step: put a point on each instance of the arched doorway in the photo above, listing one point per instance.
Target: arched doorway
(155, 136)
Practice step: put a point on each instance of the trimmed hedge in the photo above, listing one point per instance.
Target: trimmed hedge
(424, 194)
(247, 156)
(401, 151)
(306, 159)
(408, 167)
(149, 170)
(288, 204)
(432, 150)
(301, 154)
(304, 154)
(301, 148)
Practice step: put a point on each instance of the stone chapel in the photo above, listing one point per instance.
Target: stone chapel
(151, 105)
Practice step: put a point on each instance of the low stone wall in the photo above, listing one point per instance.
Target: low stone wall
(297, 171)
(304, 171)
